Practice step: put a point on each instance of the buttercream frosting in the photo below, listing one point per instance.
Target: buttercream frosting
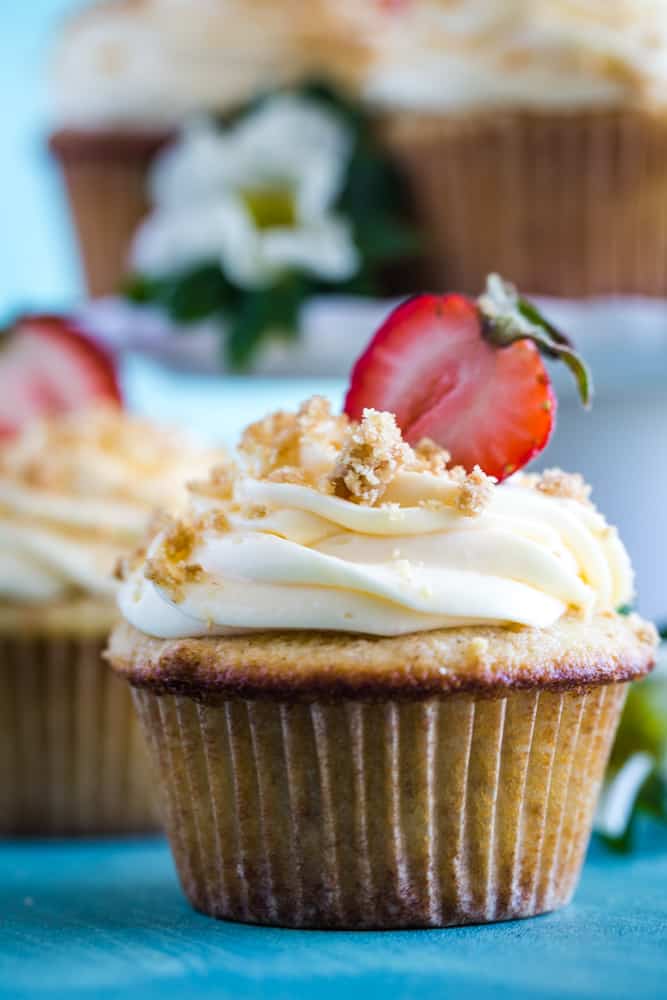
(155, 62)
(334, 526)
(464, 54)
(76, 492)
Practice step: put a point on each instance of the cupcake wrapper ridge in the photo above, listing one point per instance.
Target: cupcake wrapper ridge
(378, 815)
(569, 203)
(72, 755)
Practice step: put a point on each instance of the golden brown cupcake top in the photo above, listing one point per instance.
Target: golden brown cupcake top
(608, 649)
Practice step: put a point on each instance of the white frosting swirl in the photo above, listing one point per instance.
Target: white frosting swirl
(290, 556)
(153, 62)
(462, 54)
(78, 492)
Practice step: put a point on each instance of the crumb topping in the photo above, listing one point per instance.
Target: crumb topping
(170, 568)
(372, 454)
(102, 452)
(475, 492)
(284, 445)
(645, 631)
(570, 485)
(219, 485)
(333, 455)
(430, 457)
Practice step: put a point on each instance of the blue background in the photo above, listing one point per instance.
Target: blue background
(38, 265)
(108, 921)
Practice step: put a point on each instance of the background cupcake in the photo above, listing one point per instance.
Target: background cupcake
(76, 492)
(125, 73)
(532, 134)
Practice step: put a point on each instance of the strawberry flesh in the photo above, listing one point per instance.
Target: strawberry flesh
(430, 365)
(48, 366)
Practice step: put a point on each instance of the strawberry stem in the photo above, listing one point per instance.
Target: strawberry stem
(507, 318)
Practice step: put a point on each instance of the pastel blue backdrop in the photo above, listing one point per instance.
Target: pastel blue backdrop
(38, 265)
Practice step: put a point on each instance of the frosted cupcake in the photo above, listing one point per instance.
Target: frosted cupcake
(381, 689)
(126, 73)
(76, 492)
(533, 135)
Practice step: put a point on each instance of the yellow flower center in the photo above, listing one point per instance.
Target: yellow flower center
(270, 208)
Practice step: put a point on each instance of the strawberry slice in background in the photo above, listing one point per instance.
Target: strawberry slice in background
(48, 366)
(467, 374)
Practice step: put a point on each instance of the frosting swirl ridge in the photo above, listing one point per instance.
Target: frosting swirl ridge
(337, 526)
(76, 492)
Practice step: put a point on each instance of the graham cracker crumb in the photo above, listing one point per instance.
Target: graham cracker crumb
(288, 474)
(645, 631)
(271, 443)
(172, 578)
(556, 483)
(477, 652)
(219, 485)
(286, 445)
(430, 457)
(458, 474)
(179, 541)
(475, 493)
(169, 568)
(372, 454)
(128, 563)
(212, 520)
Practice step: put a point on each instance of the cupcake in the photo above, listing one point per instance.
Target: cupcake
(76, 492)
(532, 135)
(127, 72)
(380, 686)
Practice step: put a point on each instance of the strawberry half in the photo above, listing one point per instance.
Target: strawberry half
(47, 366)
(467, 374)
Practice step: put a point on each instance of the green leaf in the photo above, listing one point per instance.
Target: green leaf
(509, 318)
(197, 294)
(263, 313)
(384, 239)
(141, 289)
(643, 725)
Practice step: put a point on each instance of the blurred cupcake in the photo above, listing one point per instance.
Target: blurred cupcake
(533, 135)
(76, 492)
(380, 691)
(127, 71)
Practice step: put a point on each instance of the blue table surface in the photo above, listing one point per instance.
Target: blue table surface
(107, 919)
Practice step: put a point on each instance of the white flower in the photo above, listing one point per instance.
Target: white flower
(258, 197)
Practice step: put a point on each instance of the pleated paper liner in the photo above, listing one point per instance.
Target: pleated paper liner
(105, 174)
(561, 203)
(72, 755)
(445, 811)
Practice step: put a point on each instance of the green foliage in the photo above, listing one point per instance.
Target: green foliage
(643, 729)
(371, 200)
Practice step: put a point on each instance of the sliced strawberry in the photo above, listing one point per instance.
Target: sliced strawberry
(466, 374)
(48, 366)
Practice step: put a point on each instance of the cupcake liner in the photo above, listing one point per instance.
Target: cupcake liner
(72, 756)
(105, 176)
(562, 203)
(396, 814)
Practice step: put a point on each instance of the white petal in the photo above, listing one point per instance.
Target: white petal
(174, 239)
(192, 169)
(295, 142)
(325, 248)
